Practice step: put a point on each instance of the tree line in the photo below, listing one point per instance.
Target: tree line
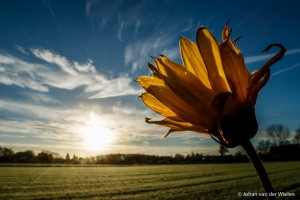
(279, 145)
(7, 155)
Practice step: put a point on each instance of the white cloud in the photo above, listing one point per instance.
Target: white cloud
(66, 75)
(50, 57)
(21, 73)
(116, 87)
(253, 59)
(87, 67)
(40, 98)
(292, 51)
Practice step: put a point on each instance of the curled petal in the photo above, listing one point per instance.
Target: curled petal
(257, 76)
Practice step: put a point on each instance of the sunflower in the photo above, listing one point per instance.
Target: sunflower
(212, 93)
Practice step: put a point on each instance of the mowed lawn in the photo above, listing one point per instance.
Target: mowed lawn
(201, 181)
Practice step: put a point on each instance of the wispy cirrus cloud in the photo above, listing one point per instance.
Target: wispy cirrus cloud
(189, 25)
(102, 13)
(21, 49)
(253, 59)
(55, 70)
(286, 69)
(136, 53)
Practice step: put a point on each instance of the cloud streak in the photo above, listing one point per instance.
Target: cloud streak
(286, 69)
(57, 71)
(254, 59)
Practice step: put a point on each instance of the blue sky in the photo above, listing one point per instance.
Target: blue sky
(68, 68)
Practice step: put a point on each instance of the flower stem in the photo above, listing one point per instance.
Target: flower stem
(260, 170)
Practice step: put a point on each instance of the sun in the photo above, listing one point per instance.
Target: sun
(96, 135)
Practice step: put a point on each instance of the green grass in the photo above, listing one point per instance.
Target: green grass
(206, 181)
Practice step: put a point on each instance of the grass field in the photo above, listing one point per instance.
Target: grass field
(206, 181)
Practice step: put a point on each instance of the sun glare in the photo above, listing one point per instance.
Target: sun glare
(96, 135)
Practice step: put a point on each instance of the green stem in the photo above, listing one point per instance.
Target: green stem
(260, 170)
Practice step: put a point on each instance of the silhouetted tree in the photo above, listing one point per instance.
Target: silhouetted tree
(240, 151)
(74, 159)
(44, 157)
(263, 146)
(27, 156)
(67, 159)
(223, 150)
(278, 133)
(297, 136)
(179, 158)
(6, 154)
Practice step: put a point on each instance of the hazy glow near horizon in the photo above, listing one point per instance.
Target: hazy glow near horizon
(96, 135)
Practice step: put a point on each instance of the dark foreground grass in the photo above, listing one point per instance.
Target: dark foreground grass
(206, 181)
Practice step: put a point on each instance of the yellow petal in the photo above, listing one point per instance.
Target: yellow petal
(165, 95)
(188, 87)
(193, 61)
(209, 50)
(147, 81)
(235, 69)
(252, 95)
(153, 103)
(178, 126)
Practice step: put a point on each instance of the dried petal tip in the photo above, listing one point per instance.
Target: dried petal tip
(201, 28)
(282, 48)
(147, 119)
(169, 132)
(227, 22)
(162, 55)
(237, 39)
(226, 32)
